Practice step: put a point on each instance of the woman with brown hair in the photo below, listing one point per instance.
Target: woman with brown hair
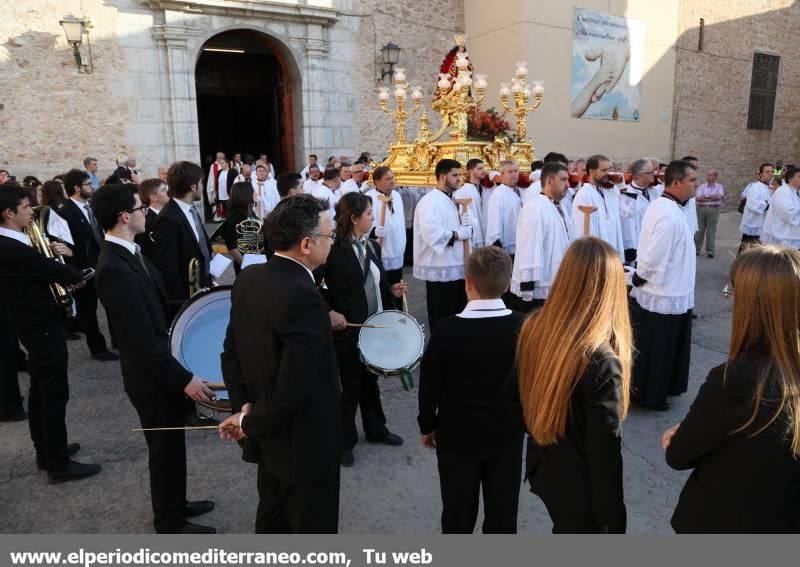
(574, 359)
(742, 433)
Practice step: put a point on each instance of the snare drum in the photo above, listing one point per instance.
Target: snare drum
(394, 349)
(197, 335)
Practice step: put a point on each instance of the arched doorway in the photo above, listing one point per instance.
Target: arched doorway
(244, 98)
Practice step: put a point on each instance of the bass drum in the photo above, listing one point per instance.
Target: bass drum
(197, 335)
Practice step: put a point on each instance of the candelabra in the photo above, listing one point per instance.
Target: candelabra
(400, 115)
(455, 100)
(522, 94)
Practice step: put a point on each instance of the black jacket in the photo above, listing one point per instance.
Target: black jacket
(344, 277)
(25, 277)
(740, 483)
(87, 240)
(136, 304)
(175, 246)
(144, 240)
(580, 477)
(279, 355)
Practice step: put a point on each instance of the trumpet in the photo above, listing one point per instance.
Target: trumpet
(36, 231)
(195, 284)
(250, 239)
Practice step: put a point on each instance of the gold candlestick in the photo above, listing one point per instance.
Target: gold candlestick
(400, 115)
(521, 93)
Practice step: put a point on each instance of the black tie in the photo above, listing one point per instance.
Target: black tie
(140, 259)
(93, 222)
(198, 225)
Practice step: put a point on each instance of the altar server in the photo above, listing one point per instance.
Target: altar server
(355, 184)
(472, 190)
(501, 226)
(438, 256)
(486, 194)
(758, 196)
(328, 190)
(536, 187)
(605, 221)
(664, 293)
(543, 235)
(635, 199)
(389, 223)
(267, 189)
(782, 223)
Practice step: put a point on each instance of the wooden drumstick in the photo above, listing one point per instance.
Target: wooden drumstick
(187, 428)
(405, 299)
(465, 203)
(215, 385)
(384, 199)
(362, 326)
(587, 215)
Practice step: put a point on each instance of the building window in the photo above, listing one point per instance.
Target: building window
(763, 87)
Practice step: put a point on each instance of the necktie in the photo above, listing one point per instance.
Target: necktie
(516, 190)
(140, 259)
(93, 222)
(200, 240)
(369, 283)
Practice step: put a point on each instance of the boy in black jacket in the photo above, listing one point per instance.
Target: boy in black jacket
(469, 408)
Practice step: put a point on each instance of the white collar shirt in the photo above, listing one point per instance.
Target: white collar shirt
(82, 205)
(484, 309)
(187, 212)
(310, 273)
(131, 247)
(20, 237)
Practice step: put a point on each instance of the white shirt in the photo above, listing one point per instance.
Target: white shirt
(304, 173)
(82, 206)
(156, 211)
(486, 195)
(189, 217)
(18, 236)
(394, 243)
(782, 222)
(310, 184)
(605, 223)
(376, 276)
(484, 309)
(690, 210)
(632, 210)
(268, 196)
(531, 192)
(349, 186)
(222, 185)
(566, 203)
(323, 192)
(131, 247)
(543, 237)
(666, 259)
(503, 215)
(469, 191)
(755, 210)
(436, 217)
(310, 273)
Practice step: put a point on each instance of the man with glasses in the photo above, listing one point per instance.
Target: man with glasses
(133, 293)
(634, 200)
(87, 235)
(279, 365)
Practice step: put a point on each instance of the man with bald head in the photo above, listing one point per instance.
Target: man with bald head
(709, 198)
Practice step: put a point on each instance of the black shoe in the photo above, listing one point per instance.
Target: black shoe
(18, 415)
(661, 407)
(194, 420)
(347, 458)
(72, 448)
(72, 337)
(106, 356)
(190, 528)
(710, 255)
(391, 439)
(73, 470)
(197, 508)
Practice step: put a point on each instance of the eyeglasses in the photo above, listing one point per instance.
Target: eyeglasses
(143, 208)
(332, 235)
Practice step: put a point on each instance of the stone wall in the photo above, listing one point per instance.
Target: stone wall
(424, 30)
(712, 86)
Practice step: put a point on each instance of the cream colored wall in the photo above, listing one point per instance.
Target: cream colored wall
(540, 32)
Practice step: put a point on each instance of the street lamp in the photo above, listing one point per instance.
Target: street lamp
(390, 55)
(74, 28)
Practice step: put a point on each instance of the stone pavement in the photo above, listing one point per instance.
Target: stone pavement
(389, 491)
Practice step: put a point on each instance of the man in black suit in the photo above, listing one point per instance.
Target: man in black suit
(179, 234)
(25, 279)
(133, 294)
(280, 368)
(87, 235)
(153, 193)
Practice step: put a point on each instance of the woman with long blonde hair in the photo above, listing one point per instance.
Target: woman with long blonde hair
(742, 433)
(574, 358)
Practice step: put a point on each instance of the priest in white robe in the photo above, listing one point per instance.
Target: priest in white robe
(267, 190)
(328, 190)
(605, 222)
(439, 232)
(544, 233)
(389, 224)
(663, 293)
(634, 201)
(506, 203)
(473, 190)
(758, 197)
(356, 182)
(782, 223)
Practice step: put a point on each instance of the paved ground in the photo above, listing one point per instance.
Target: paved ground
(389, 491)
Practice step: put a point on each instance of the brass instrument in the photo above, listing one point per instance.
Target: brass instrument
(36, 232)
(195, 284)
(250, 239)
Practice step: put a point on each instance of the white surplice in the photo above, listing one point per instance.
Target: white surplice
(394, 243)
(350, 186)
(322, 191)
(532, 191)
(666, 260)
(755, 210)
(436, 217)
(782, 222)
(470, 191)
(633, 206)
(543, 236)
(605, 223)
(268, 196)
(504, 211)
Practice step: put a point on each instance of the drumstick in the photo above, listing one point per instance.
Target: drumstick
(215, 385)
(367, 326)
(465, 203)
(188, 428)
(405, 298)
(383, 199)
(587, 214)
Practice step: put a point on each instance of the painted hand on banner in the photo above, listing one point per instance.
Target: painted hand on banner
(613, 59)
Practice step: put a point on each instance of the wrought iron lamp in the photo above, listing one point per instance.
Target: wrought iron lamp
(74, 30)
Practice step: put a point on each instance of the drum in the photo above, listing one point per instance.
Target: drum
(395, 347)
(196, 337)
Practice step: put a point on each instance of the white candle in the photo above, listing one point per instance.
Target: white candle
(384, 94)
(538, 88)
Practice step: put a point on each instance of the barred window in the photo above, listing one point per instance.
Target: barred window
(763, 87)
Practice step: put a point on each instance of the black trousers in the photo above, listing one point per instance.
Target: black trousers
(86, 306)
(661, 364)
(393, 277)
(444, 299)
(10, 397)
(166, 457)
(49, 389)
(462, 478)
(310, 507)
(359, 388)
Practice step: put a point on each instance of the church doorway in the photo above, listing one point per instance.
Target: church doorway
(244, 99)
